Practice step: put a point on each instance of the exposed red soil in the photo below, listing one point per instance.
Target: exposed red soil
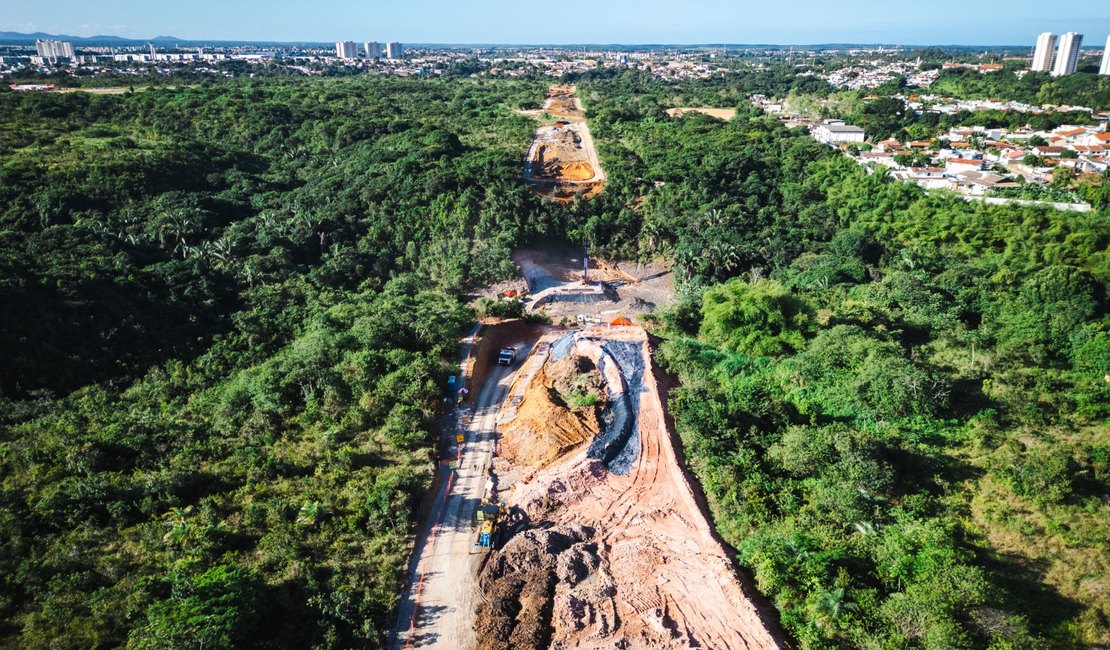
(493, 336)
(602, 560)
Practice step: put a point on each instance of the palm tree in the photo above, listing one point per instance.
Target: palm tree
(177, 521)
(829, 607)
(309, 512)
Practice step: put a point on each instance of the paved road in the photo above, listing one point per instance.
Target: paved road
(437, 606)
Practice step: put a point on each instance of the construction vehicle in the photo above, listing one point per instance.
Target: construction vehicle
(488, 515)
(485, 535)
(487, 512)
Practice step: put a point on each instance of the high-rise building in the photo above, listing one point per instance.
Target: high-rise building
(346, 50)
(373, 49)
(1042, 57)
(54, 49)
(394, 51)
(1105, 67)
(1068, 55)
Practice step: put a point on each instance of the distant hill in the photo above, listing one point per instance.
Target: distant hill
(19, 38)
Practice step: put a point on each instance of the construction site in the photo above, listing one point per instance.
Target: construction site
(562, 162)
(562, 102)
(576, 526)
(562, 515)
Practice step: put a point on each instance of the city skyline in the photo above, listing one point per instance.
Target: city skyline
(947, 22)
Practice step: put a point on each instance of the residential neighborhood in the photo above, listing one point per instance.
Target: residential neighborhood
(974, 161)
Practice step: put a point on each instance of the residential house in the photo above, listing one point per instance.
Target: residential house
(836, 131)
(959, 165)
(1095, 139)
(1049, 151)
(930, 178)
(878, 158)
(978, 183)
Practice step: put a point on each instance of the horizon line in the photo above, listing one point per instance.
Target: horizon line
(16, 36)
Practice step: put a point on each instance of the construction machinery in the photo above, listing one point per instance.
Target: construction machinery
(485, 535)
(488, 515)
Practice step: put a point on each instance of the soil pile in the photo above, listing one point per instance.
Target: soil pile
(561, 157)
(562, 103)
(576, 171)
(573, 593)
(561, 410)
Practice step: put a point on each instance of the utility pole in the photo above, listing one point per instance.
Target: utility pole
(585, 260)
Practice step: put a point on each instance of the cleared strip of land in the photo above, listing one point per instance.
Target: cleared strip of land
(562, 161)
(608, 545)
(719, 113)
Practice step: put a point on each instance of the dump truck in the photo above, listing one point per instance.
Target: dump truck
(506, 356)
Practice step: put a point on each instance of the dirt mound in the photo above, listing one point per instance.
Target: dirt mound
(560, 411)
(576, 171)
(562, 103)
(545, 582)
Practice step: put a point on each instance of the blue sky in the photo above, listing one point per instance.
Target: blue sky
(932, 22)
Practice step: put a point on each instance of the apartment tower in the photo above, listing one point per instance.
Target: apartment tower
(54, 49)
(1068, 55)
(346, 50)
(1042, 56)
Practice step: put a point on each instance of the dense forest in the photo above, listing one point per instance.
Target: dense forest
(897, 402)
(228, 311)
(1085, 88)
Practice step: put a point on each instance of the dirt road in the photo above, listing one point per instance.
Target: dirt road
(436, 609)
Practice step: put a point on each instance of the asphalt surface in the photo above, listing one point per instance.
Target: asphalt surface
(437, 606)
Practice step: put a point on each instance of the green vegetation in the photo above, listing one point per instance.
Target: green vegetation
(228, 314)
(580, 399)
(581, 389)
(1080, 89)
(895, 401)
